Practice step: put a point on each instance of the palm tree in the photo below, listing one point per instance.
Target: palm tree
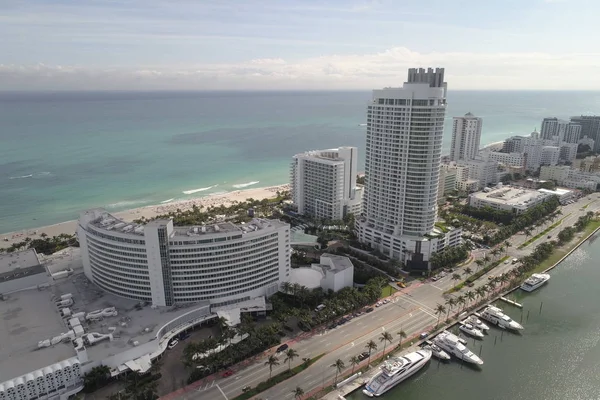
(468, 271)
(450, 302)
(354, 360)
(402, 335)
(298, 392)
(290, 354)
(479, 263)
(339, 367)
(480, 292)
(461, 300)
(470, 295)
(440, 310)
(455, 277)
(371, 345)
(272, 361)
(385, 337)
(507, 244)
(286, 287)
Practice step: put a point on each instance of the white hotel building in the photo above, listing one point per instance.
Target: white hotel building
(402, 167)
(323, 183)
(221, 263)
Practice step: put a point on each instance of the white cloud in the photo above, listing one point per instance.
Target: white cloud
(360, 71)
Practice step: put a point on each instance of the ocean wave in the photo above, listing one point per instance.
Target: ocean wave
(21, 177)
(243, 185)
(127, 203)
(199, 190)
(167, 201)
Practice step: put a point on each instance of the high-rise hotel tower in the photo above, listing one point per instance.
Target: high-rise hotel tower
(402, 166)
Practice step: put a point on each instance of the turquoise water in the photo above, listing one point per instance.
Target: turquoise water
(64, 152)
(557, 357)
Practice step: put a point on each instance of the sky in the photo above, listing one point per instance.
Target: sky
(299, 45)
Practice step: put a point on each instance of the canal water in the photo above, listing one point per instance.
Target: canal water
(556, 357)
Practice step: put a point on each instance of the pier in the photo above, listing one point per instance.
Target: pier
(511, 302)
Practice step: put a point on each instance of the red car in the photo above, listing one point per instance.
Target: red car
(227, 373)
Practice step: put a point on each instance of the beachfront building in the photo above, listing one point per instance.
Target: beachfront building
(165, 265)
(323, 183)
(466, 135)
(402, 166)
(508, 198)
(559, 130)
(448, 178)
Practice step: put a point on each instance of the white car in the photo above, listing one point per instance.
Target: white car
(173, 343)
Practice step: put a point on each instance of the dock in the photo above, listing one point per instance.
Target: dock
(511, 302)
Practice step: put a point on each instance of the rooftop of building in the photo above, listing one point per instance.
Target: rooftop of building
(509, 195)
(558, 191)
(325, 155)
(21, 259)
(107, 221)
(31, 316)
(340, 263)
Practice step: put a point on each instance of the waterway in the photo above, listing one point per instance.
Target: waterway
(557, 356)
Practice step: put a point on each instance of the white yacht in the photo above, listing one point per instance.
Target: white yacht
(534, 282)
(395, 370)
(437, 352)
(497, 317)
(452, 344)
(471, 330)
(477, 323)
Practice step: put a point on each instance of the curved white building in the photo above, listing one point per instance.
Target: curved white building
(222, 263)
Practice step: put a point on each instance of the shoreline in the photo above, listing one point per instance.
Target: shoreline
(150, 211)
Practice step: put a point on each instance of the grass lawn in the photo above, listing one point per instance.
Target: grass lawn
(560, 253)
(387, 291)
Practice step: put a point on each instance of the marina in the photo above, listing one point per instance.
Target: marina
(560, 325)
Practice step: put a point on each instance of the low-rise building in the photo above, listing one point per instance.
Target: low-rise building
(588, 164)
(334, 272)
(508, 198)
(570, 177)
(564, 195)
(448, 179)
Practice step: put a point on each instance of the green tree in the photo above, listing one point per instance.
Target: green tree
(354, 361)
(371, 345)
(290, 354)
(96, 378)
(385, 338)
(298, 392)
(272, 361)
(402, 335)
(440, 310)
(339, 367)
(468, 271)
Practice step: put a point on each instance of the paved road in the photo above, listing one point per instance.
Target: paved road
(412, 310)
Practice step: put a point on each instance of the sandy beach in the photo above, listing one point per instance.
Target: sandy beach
(225, 199)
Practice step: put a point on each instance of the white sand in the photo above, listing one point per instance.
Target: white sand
(225, 199)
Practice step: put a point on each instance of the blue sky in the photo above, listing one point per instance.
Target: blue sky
(185, 44)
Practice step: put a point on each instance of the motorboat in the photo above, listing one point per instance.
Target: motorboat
(437, 352)
(471, 330)
(534, 282)
(396, 370)
(451, 343)
(477, 323)
(497, 317)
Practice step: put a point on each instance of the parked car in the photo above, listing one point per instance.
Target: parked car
(423, 335)
(401, 284)
(363, 356)
(227, 373)
(370, 309)
(282, 348)
(173, 343)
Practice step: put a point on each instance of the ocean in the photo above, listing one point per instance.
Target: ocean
(556, 357)
(61, 153)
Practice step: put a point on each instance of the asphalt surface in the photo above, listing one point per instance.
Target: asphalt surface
(412, 310)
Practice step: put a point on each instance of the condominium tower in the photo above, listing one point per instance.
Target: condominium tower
(590, 127)
(466, 135)
(560, 130)
(323, 183)
(402, 167)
